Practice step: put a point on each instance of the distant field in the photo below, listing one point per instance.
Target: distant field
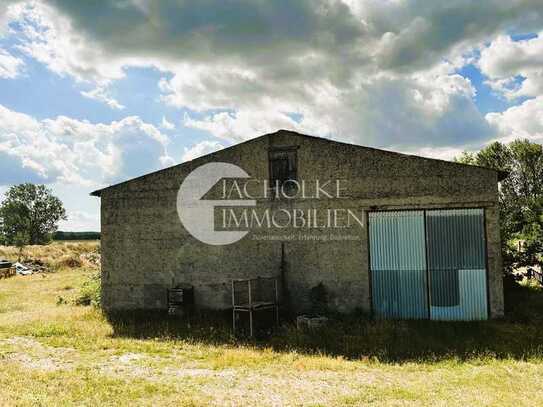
(56, 353)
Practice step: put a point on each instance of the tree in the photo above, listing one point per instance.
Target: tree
(29, 214)
(520, 197)
(20, 240)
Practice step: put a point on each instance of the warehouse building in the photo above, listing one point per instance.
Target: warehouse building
(400, 236)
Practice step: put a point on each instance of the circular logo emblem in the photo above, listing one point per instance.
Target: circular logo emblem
(198, 215)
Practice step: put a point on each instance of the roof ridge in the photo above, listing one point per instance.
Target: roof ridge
(501, 174)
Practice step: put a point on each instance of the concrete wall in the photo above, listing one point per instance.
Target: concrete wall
(145, 247)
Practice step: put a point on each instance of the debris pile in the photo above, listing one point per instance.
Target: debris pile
(21, 269)
(30, 266)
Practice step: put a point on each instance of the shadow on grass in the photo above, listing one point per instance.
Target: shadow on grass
(519, 335)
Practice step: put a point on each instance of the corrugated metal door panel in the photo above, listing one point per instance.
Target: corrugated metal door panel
(456, 256)
(455, 239)
(397, 240)
(398, 264)
(472, 304)
(399, 294)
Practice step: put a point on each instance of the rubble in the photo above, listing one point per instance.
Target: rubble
(30, 266)
(21, 269)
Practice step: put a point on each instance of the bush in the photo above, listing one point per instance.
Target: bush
(89, 294)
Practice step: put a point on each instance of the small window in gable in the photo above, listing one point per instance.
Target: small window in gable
(283, 165)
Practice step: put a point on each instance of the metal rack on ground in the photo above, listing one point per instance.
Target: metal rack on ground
(253, 295)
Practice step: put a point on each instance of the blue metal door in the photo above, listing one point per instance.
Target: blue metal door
(428, 264)
(398, 264)
(456, 264)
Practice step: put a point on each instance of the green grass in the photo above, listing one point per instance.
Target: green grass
(58, 353)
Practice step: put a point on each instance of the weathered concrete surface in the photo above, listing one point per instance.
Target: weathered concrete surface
(145, 247)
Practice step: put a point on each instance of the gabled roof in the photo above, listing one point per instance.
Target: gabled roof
(501, 174)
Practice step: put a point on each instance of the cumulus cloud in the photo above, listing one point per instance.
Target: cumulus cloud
(417, 33)
(50, 38)
(504, 60)
(101, 95)
(72, 151)
(10, 66)
(373, 72)
(522, 121)
(432, 107)
(243, 124)
(200, 149)
(209, 30)
(396, 35)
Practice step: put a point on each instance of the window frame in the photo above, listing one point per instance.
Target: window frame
(291, 153)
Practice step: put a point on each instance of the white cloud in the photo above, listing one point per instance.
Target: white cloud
(166, 125)
(80, 221)
(522, 121)
(77, 152)
(101, 95)
(504, 60)
(381, 110)
(242, 125)
(10, 66)
(51, 39)
(200, 149)
(209, 31)
(395, 35)
(371, 72)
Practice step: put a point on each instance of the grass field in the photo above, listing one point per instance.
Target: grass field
(53, 352)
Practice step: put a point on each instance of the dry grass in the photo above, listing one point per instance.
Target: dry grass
(56, 255)
(69, 355)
